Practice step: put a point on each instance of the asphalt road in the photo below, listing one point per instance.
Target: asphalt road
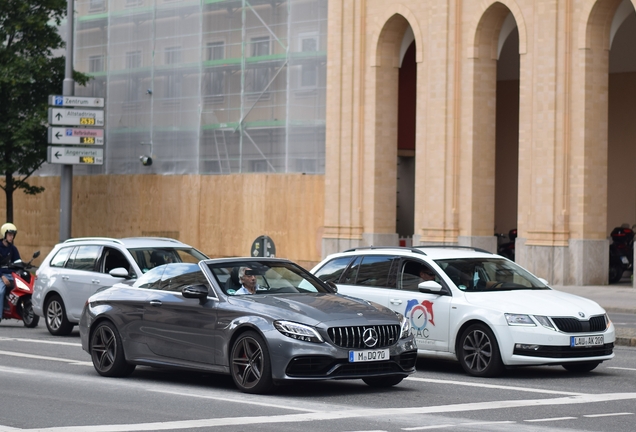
(48, 383)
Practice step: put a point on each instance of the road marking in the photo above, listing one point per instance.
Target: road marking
(608, 414)
(38, 357)
(550, 419)
(241, 401)
(494, 386)
(621, 368)
(343, 414)
(459, 425)
(41, 341)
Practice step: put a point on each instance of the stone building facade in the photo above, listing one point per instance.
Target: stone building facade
(478, 117)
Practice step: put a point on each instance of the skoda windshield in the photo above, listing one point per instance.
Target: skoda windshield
(488, 274)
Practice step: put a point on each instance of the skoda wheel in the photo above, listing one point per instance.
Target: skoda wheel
(55, 317)
(478, 352)
(107, 352)
(250, 364)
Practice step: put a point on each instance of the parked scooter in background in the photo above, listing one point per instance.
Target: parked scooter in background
(507, 249)
(18, 295)
(621, 252)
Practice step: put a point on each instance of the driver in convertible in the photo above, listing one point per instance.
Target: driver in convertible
(247, 276)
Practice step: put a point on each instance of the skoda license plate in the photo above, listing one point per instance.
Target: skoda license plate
(586, 341)
(368, 355)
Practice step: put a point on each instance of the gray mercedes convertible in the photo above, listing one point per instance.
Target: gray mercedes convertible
(264, 321)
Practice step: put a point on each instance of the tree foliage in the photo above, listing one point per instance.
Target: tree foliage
(29, 72)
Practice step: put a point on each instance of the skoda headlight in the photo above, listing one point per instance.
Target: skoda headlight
(519, 320)
(545, 322)
(298, 331)
(405, 326)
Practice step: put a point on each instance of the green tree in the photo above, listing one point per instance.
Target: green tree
(29, 72)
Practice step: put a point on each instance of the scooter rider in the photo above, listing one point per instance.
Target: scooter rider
(8, 254)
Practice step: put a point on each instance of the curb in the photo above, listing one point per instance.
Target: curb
(625, 341)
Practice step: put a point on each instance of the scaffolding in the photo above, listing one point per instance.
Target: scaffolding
(206, 86)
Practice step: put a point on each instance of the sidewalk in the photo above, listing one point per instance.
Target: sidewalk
(619, 298)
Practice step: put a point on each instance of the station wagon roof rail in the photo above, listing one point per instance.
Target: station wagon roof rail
(476, 249)
(153, 238)
(414, 250)
(78, 239)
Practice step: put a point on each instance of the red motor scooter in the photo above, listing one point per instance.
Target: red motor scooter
(18, 294)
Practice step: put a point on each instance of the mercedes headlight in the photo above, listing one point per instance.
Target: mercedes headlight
(298, 331)
(405, 326)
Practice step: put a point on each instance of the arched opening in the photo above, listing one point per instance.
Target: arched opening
(407, 84)
(507, 138)
(492, 130)
(621, 145)
(381, 146)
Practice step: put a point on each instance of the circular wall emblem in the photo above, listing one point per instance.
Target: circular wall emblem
(370, 337)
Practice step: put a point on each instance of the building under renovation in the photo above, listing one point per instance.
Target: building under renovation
(334, 124)
(207, 86)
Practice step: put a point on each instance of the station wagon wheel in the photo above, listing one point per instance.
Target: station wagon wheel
(478, 352)
(107, 351)
(250, 364)
(55, 317)
(581, 367)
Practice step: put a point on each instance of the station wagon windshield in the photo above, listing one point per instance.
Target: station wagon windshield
(488, 274)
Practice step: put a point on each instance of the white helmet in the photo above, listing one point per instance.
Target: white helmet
(8, 228)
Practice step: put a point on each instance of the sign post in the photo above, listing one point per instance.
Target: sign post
(61, 135)
(75, 155)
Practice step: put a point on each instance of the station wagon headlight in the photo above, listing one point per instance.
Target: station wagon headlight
(405, 326)
(298, 331)
(608, 322)
(519, 320)
(545, 322)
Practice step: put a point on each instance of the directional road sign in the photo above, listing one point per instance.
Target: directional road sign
(59, 135)
(76, 117)
(75, 155)
(76, 101)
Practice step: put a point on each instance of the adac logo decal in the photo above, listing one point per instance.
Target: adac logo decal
(420, 315)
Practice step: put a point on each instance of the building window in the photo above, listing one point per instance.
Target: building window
(96, 5)
(173, 80)
(259, 76)
(215, 80)
(309, 70)
(133, 61)
(96, 63)
(259, 165)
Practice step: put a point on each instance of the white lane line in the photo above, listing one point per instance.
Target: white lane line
(494, 386)
(342, 414)
(550, 419)
(41, 341)
(38, 357)
(621, 368)
(240, 401)
(481, 423)
(607, 415)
